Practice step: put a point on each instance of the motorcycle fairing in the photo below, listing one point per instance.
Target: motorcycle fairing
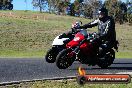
(58, 41)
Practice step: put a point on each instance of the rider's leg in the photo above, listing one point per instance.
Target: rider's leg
(105, 47)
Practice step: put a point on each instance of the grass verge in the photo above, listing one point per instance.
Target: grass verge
(64, 84)
(30, 34)
(124, 55)
(22, 54)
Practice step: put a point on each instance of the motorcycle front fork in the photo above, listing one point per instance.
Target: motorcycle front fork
(76, 51)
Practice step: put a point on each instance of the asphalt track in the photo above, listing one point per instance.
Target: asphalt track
(12, 69)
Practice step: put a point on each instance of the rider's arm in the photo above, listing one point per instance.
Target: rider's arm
(90, 25)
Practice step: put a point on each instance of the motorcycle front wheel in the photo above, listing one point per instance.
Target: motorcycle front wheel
(65, 59)
(51, 55)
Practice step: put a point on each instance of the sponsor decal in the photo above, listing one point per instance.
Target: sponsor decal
(83, 78)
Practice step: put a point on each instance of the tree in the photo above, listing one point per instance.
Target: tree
(6, 4)
(117, 9)
(129, 10)
(53, 5)
(129, 6)
(91, 7)
(41, 4)
(62, 6)
(76, 7)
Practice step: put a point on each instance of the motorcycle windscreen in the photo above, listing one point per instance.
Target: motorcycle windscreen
(75, 42)
(84, 32)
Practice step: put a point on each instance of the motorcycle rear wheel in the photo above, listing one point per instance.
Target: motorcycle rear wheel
(63, 61)
(107, 60)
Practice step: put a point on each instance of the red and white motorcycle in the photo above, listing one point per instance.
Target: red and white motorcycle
(84, 48)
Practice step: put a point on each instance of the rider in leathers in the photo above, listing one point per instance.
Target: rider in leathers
(106, 29)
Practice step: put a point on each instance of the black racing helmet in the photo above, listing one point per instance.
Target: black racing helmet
(104, 11)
